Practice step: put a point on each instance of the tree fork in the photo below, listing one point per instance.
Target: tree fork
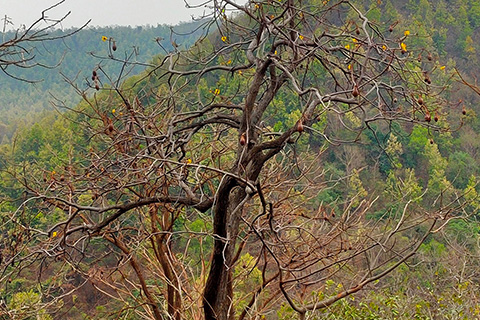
(218, 294)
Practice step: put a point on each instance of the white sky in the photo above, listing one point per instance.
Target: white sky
(102, 12)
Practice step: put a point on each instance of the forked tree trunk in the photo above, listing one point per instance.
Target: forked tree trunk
(218, 294)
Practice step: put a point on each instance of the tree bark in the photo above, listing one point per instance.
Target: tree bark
(218, 294)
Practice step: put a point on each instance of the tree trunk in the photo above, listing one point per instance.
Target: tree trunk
(218, 294)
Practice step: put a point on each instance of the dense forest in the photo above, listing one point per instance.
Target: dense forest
(27, 92)
(285, 160)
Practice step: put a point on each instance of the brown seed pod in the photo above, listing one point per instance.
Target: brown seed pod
(243, 139)
(62, 178)
(94, 73)
(94, 77)
(110, 125)
(428, 117)
(94, 196)
(429, 57)
(114, 46)
(431, 141)
(357, 31)
(355, 91)
(436, 117)
(390, 29)
(300, 126)
(464, 110)
(395, 100)
(420, 100)
(419, 58)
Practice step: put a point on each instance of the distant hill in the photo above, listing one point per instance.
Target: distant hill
(446, 30)
(75, 58)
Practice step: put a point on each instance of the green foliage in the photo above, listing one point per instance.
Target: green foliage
(356, 190)
(402, 185)
(471, 195)
(416, 145)
(437, 180)
(247, 276)
(460, 169)
(25, 306)
(394, 150)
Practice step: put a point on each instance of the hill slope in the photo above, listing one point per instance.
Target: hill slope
(74, 58)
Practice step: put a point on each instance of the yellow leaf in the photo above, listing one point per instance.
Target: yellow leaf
(347, 46)
(442, 68)
(300, 36)
(224, 38)
(406, 33)
(384, 47)
(104, 38)
(113, 110)
(54, 234)
(404, 46)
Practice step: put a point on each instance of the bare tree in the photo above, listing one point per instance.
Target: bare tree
(194, 142)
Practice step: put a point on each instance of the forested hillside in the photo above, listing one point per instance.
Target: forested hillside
(305, 160)
(72, 58)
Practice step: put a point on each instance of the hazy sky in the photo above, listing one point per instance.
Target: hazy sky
(102, 12)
